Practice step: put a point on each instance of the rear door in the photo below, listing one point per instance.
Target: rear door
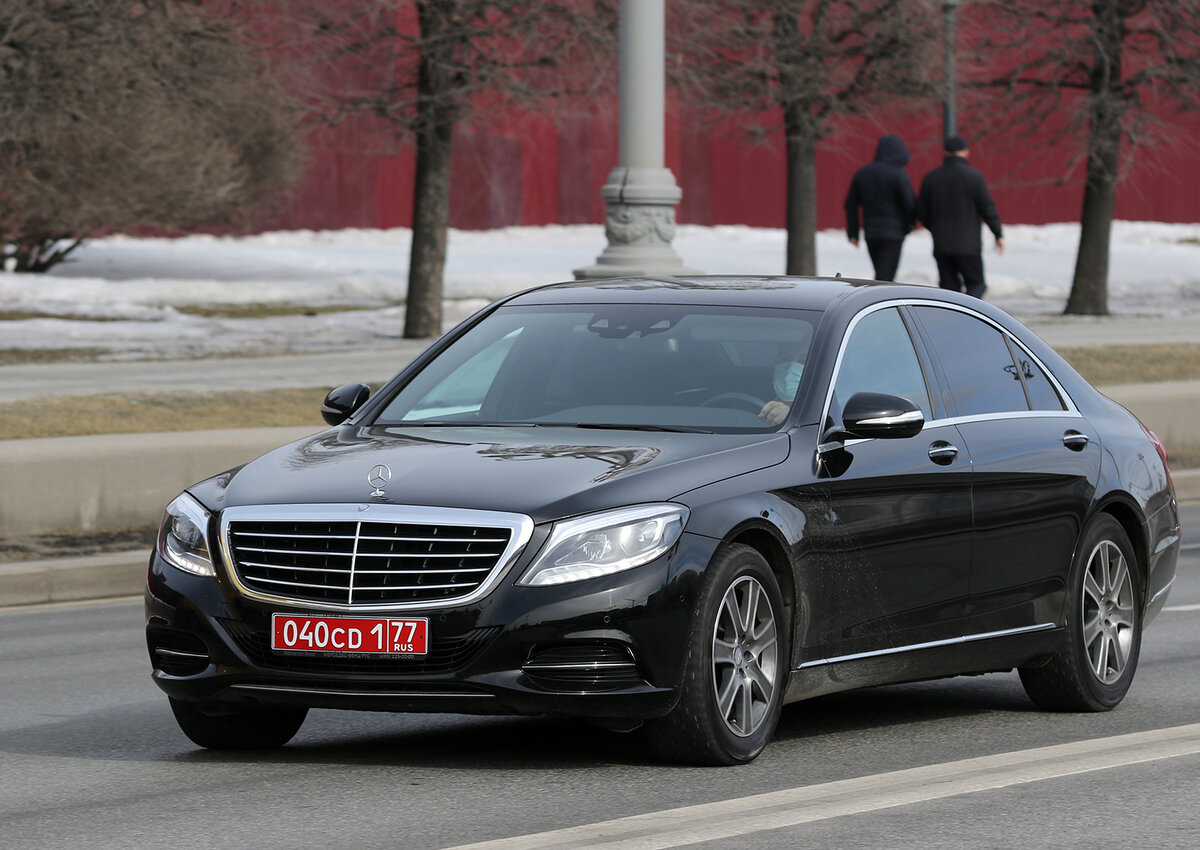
(1035, 462)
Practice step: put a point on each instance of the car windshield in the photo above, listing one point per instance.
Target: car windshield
(644, 366)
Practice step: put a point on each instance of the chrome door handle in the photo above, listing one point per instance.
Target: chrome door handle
(943, 453)
(1075, 441)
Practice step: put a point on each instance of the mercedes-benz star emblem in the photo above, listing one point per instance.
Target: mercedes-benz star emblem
(378, 477)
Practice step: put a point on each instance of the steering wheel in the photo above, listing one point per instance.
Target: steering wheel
(740, 400)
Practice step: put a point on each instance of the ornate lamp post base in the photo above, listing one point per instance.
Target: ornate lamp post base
(639, 225)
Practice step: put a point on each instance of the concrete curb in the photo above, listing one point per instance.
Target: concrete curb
(124, 480)
(69, 484)
(73, 579)
(124, 573)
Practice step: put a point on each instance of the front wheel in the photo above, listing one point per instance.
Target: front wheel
(1094, 667)
(737, 666)
(237, 729)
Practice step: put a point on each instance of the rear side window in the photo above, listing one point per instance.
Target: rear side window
(979, 365)
(1042, 394)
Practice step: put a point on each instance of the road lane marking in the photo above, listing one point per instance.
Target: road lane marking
(1182, 608)
(794, 806)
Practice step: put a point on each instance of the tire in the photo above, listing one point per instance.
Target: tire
(737, 667)
(241, 729)
(1094, 666)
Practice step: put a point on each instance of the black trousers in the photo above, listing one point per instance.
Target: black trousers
(961, 272)
(885, 256)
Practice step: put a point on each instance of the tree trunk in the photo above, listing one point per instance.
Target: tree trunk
(801, 200)
(800, 144)
(431, 221)
(1089, 287)
(436, 112)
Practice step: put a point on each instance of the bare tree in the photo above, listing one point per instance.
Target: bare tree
(809, 62)
(427, 66)
(118, 113)
(1107, 73)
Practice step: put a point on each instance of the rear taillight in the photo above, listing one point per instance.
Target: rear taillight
(1159, 446)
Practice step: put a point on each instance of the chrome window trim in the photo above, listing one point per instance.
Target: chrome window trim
(520, 527)
(933, 644)
(1012, 414)
(1071, 407)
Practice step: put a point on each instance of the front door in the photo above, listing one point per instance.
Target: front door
(890, 568)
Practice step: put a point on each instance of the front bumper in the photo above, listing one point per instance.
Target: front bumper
(612, 647)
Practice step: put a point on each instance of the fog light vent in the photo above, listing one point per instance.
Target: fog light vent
(177, 653)
(580, 667)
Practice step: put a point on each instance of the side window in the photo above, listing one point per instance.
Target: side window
(880, 358)
(1042, 395)
(977, 363)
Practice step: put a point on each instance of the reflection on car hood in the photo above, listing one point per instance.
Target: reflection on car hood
(545, 472)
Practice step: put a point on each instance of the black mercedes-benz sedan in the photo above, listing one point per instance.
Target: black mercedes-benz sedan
(674, 504)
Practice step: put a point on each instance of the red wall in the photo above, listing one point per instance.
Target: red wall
(532, 170)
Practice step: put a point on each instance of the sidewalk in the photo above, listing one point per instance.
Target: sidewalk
(112, 485)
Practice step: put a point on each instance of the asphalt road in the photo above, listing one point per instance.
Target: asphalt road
(90, 757)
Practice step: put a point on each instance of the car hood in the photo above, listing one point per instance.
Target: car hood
(545, 473)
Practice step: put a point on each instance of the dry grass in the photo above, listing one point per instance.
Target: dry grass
(21, 356)
(196, 411)
(140, 413)
(1135, 364)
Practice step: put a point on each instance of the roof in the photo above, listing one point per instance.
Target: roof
(797, 293)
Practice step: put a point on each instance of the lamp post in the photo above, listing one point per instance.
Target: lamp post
(949, 116)
(641, 193)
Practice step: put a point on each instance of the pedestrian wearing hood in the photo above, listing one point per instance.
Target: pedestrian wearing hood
(954, 199)
(889, 206)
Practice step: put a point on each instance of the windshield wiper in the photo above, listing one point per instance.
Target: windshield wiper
(608, 426)
(452, 423)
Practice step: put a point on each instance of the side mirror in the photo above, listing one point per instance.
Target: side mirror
(343, 401)
(880, 416)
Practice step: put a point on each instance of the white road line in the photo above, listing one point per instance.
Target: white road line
(745, 815)
(1182, 608)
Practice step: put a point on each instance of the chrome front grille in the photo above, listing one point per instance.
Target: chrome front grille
(381, 556)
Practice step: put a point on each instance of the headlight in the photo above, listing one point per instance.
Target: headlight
(182, 537)
(605, 543)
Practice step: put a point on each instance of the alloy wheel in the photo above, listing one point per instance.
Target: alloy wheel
(745, 656)
(1109, 612)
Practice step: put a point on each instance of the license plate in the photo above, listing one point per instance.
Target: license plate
(350, 635)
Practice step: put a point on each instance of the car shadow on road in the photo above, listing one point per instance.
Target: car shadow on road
(146, 732)
(899, 705)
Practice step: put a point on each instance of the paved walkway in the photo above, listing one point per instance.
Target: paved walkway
(375, 366)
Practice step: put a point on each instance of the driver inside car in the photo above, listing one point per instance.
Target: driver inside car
(786, 380)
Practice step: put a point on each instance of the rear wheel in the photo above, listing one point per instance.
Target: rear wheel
(1094, 667)
(240, 729)
(736, 672)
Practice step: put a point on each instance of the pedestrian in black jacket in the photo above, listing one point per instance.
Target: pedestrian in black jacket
(889, 205)
(953, 200)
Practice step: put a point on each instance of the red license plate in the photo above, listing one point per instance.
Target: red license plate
(381, 636)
